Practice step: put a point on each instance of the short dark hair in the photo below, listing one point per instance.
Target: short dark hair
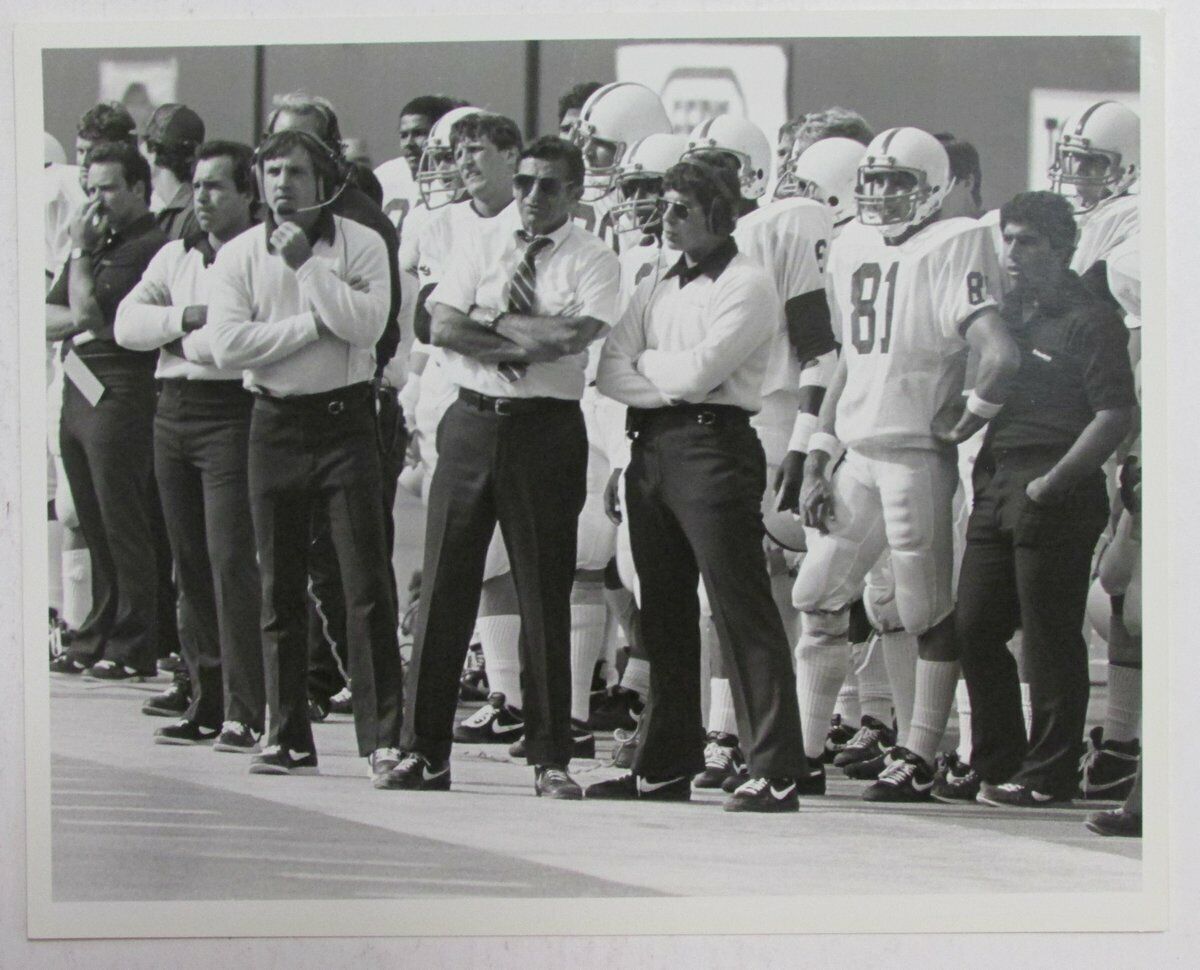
(576, 97)
(363, 178)
(241, 161)
(499, 130)
(107, 121)
(431, 106)
(298, 102)
(1046, 212)
(704, 182)
(835, 122)
(176, 159)
(551, 148)
(324, 162)
(964, 163)
(134, 168)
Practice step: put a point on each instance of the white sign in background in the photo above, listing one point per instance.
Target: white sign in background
(701, 81)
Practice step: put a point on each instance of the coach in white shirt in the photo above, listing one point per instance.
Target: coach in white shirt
(688, 358)
(201, 433)
(514, 313)
(299, 304)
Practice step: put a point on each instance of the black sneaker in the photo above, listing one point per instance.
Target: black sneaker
(735, 781)
(277, 760)
(1013, 795)
(868, 769)
(172, 663)
(317, 710)
(618, 709)
(111, 670)
(907, 778)
(956, 782)
(870, 741)
(1117, 822)
(185, 732)
(1108, 768)
(62, 664)
(473, 684)
(494, 723)
(415, 772)
(722, 759)
(839, 735)
(583, 742)
(633, 787)
(341, 702)
(813, 780)
(237, 737)
(764, 795)
(172, 702)
(554, 782)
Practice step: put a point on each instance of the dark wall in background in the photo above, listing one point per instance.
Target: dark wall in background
(976, 87)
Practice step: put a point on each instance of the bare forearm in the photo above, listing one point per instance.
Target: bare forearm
(81, 289)
(549, 337)
(60, 323)
(456, 331)
(1092, 448)
(833, 394)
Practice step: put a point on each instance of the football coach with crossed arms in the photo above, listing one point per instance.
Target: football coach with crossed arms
(518, 306)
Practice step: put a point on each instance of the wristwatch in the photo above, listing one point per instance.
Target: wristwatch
(78, 252)
(492, 321)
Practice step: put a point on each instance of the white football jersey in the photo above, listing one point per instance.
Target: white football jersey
(1103, 229)
(596, 218)
(64, 196)
(790, 240)
(400, 191)
(898, 310)
(647, 258)
(1125, 279)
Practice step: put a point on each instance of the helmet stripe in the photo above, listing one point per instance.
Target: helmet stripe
(887, 139)
(599, 94)
(1083, 118)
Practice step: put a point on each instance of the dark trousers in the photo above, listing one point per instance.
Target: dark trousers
(1027, 565)
(693, 492)
(316, 454)
(107, 452)
(528, 471)
(201, 441)
(327, 656)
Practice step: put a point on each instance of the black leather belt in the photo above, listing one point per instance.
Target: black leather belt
(327, 402)
(638, 420)
(512, 405)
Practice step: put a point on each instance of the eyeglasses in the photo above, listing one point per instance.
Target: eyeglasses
(548, 186)
(677, 210)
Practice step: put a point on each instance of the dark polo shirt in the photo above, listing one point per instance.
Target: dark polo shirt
(357, 206)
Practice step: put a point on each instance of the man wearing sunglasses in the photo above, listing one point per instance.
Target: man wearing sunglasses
(514, 314)
(688, 358)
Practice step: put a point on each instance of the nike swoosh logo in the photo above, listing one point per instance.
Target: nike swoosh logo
(919, 786)
(653, 786)
(298, 755)
(498, 728)
(429, 776)
(781, 795)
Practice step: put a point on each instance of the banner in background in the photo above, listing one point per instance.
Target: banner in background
(139, 85)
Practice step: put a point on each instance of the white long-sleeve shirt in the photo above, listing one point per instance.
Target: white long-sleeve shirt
(705, 342)
(262, 315)
(142, 324)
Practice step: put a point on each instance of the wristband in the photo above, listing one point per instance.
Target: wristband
(823, 441)
(802, 432)
(981, 408)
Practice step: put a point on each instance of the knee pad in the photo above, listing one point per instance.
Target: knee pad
(822, 630)
(625, 567)
(814, 586)
(596, 536)
(880, 605)
(587, 593)
(499, 597)
(920, 602)
(1099, 610)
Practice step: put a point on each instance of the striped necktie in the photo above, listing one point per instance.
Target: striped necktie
(521, 294)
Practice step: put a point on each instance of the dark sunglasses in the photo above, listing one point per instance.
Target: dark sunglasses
(678, 210)
(548, 186)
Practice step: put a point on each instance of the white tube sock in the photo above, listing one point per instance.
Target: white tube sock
(721, 717)
(1123, 721)
(637, 676)
(874, 688)
(900, 659)
(936, 682)
(500, 637)
(1026, 708)
(963, 700)
(77, 586)
(587, 642)
(822, 664)
(847, 703)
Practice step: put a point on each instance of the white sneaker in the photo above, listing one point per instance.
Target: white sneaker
(381, 761)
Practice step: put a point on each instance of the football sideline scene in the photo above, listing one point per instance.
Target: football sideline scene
(655, 461)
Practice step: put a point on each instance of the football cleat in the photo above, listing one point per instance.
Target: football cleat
(494, 723)
(342, 702)
(636, 788)
(764, 795)
(955, 781)
(111, 670)
(840, 734)
(619, 709)
(554, 782)
(237, 737)
(415, 772)
(870, 741)
(1117, 822)
(473, 685)
(1013, 795)
(172, 702)
(722, 759)
(185, 732)
(907, 778)
(381, 761)
(1109, 768)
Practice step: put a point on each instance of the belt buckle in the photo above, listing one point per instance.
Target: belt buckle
(502, 406)
(336, 407)
(706, 418)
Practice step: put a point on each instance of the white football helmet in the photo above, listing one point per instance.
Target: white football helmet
(639, 181)
(902, 180)
(826, 171)
(742, 139)
(1097, 154)
(611, 120)
(437, 177)
(52, 150)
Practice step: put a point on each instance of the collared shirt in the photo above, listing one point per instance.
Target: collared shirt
(184, 267)
(177, 218)
(576, 269)
(118, 262)
(701, 334)
(262, 315)
(1074, 362)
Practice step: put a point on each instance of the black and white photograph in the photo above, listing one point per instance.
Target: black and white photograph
(640, 476)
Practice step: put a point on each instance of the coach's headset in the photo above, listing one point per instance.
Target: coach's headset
(721, 214)
(330, 167)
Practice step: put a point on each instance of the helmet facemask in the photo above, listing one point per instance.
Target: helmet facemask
(1093, 173)
(638, 208)
(601, 161)
(893, 198)
(437, 177)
